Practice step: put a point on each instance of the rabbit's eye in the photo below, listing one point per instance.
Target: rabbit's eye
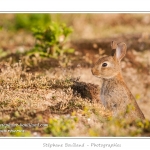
(104, 64)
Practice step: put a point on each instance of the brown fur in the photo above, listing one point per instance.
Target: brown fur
(115, 94)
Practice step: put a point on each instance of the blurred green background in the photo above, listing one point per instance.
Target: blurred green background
(85, 25)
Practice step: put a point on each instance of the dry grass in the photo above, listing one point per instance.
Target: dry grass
(57, 99)
(25, 96)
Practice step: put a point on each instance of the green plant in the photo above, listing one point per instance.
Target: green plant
(27, 21)
(19, 132)
(3, 53)
(51, 40)
(61, 126)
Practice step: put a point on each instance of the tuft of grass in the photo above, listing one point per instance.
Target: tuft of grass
(18, 131)
(60, 127)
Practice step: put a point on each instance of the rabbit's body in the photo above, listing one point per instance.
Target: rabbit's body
(114, 94)
(116, 97)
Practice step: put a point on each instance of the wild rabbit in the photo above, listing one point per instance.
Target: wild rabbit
(115, 94)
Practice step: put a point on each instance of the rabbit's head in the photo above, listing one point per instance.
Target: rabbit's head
(109, 66)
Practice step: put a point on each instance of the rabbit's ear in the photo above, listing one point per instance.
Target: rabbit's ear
(120, 51)
(113, 45)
